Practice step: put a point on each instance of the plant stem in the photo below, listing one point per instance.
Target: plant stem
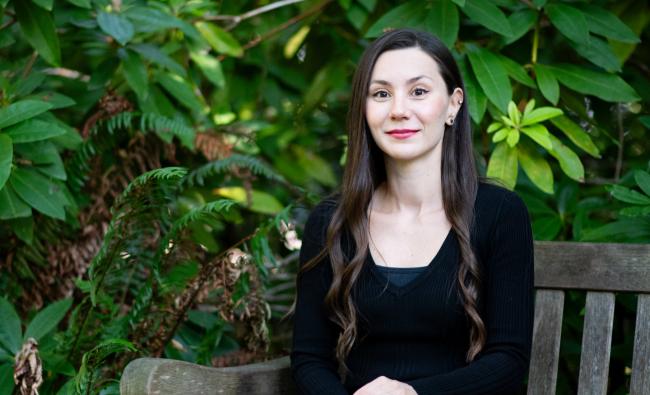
(533, 56)
(621, 137)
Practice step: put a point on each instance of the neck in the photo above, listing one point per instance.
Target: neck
(412, 186)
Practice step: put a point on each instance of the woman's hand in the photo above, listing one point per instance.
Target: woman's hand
(382, 385)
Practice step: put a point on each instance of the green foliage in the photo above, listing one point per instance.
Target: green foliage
(142, 140)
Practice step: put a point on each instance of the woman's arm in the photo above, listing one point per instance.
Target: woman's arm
(507, 290)
(313, 365)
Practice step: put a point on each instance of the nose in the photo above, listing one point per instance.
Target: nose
(399, 108)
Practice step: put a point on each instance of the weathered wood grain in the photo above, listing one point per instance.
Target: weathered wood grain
(592, 266)
(640, 384)
(547, 329)
(596, 343)
(157, 376)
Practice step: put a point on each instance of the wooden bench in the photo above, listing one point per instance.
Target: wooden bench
(600, 269)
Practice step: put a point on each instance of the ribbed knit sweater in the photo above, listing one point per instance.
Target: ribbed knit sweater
(418, 333)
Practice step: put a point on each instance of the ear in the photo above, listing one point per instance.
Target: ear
(455, 101)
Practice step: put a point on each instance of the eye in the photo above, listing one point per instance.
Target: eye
(420, 91)
(380, 95)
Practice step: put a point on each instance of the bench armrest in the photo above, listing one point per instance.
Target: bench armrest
(144, 376)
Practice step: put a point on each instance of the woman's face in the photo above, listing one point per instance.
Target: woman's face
(407, 105)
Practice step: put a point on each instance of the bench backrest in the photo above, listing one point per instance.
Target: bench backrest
(601, 269)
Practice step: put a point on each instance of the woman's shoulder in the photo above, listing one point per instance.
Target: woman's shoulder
(496, 198)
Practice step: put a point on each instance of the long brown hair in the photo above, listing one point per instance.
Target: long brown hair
(365, 171)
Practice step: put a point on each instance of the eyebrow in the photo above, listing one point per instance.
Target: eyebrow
(409, 81)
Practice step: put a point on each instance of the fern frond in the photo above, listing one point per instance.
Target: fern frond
(198, 176)
(163, 174)
(167, 127)
(141, 208)
(94, 358)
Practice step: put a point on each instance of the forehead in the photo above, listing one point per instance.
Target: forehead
(399, 65)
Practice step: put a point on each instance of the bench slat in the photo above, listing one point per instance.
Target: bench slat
(596, 343)
(542, 377)
(640, 384)
(592, 266)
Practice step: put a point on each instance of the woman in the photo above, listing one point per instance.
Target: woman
(417, 278)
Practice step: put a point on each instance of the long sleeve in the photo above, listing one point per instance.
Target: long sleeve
(508, 312)
(313, 364)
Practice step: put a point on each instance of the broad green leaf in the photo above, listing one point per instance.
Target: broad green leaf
(603, 22)
(11, 206)
(21, 110)
(621, 230)
(541, 114)
(38, 27)
(547, 83)
(294, 42)
(529, 107)
(442, 20)
(33, 130)
(38, 192)
(489, 15)
(357, 16)
(569, 161)
(460, 3)
(494, 126)
(513, 137)
(535, 167)
(503, 165)
(642, 179)
(575, 133)
(521, 22)
(599, 53)
(635, 211)
(407, 14)
(55, 99)
(46, 4)
(261, 202)
(315, 166)
(569, 21)
(149, 19)
(23, 228)
(7, 379)
(219, 39)
(475, 97)
(211, 68)
(645, 120)
(116, 26)
(546, 228)
(492, 77)
(153, 54)
(513, 113)
(516, 71)
(181, 90)
(628, 195)
(368, 4)
(47, 319)
(10, 330)
(539, 134)
(80, 3)
(135, 73)
(608, 87)
(501, 135)
(6, 158)
(40, 152)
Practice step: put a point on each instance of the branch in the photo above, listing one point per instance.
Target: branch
(281, 27)
(237, 19)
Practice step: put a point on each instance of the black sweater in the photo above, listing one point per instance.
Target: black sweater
(419, 333)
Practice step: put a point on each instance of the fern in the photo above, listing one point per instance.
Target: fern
(166, 128)
(198, 176)
(94, 358)
(144, 202)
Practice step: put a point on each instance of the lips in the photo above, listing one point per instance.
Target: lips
(402, 133)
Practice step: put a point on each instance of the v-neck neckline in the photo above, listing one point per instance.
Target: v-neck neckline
(401, 290)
